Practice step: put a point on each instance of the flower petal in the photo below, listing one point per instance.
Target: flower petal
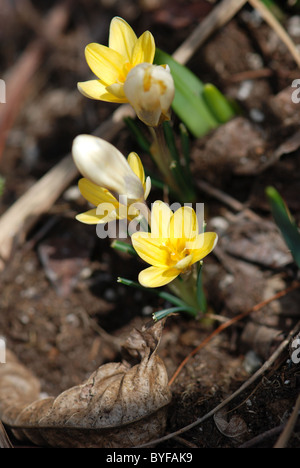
(104, 165)
(122, 38)
(183, 227)
(147, 187)
(202, 245)
(95, 194)
(94, 89)
(91, 217)
(104, 62)
(117, 90)
(154, 277)
(149, 249)
(144, 49)
(161, 215)
(136, 165)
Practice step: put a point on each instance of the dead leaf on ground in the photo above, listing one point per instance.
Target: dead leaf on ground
(119, 405)
(235, 427)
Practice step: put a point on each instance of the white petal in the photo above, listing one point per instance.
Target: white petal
(103, 164)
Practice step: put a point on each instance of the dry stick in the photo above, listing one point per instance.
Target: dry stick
(287, 432)
(220, 15)
(243, 387)
(20, 217)
(274, 23)
(230, 322)
(227, 200)
(45, 192)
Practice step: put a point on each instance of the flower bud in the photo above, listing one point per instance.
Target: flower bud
(150, 90)
(104, 165)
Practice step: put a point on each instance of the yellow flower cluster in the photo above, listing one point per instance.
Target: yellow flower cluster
(126, 73)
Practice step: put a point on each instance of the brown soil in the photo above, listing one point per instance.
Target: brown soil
(60, 291)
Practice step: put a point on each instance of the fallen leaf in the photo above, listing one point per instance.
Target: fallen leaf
(234, 428)
(119, 405)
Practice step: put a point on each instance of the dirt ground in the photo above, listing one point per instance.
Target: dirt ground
(61, 307)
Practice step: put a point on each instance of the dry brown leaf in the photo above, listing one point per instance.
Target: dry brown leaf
(119, 405)
(234, 428)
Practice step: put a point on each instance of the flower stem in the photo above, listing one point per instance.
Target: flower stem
(169, 166)
(186, 288)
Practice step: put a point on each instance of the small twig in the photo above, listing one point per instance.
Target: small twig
(243, 387)
(228, 200)
(287, 432)
(219, 16)
(251, 75)
(274, 23)
(262, 437)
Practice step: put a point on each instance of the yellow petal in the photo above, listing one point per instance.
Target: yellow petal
(136, 165)
(183, 227)
(144, 49)
(147, 187)
(202, 245)
(91, 217)
(150, 250)
(95, 194)
(161, 215)
(94, 89)
(154, 277)
(184, 263)
(117, 90)
(104, 62)
(122, 38)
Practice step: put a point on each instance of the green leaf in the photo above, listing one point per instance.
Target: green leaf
(138, 134)
(123, 247)
(172, 310)
(180, 305)
(285, 222)
(2, 184)
(217, 103)
(275, 9)
(188, 103)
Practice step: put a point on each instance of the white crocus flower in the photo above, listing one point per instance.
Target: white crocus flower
(105, 166)
(150, 90)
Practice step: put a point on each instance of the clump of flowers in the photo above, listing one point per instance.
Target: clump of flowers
(173, 243)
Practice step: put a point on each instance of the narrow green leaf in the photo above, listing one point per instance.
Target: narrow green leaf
(2, 184)
(157, 292)
(188, 103)
(217, 103)
(123, 247)
(172, 310)
(179, 171)
(186, 147)
(285, 222)
(275, 9)
(137, 134)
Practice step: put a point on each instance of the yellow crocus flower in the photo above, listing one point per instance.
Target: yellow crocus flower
(173, 245)
(111, 183)
(113, 63)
